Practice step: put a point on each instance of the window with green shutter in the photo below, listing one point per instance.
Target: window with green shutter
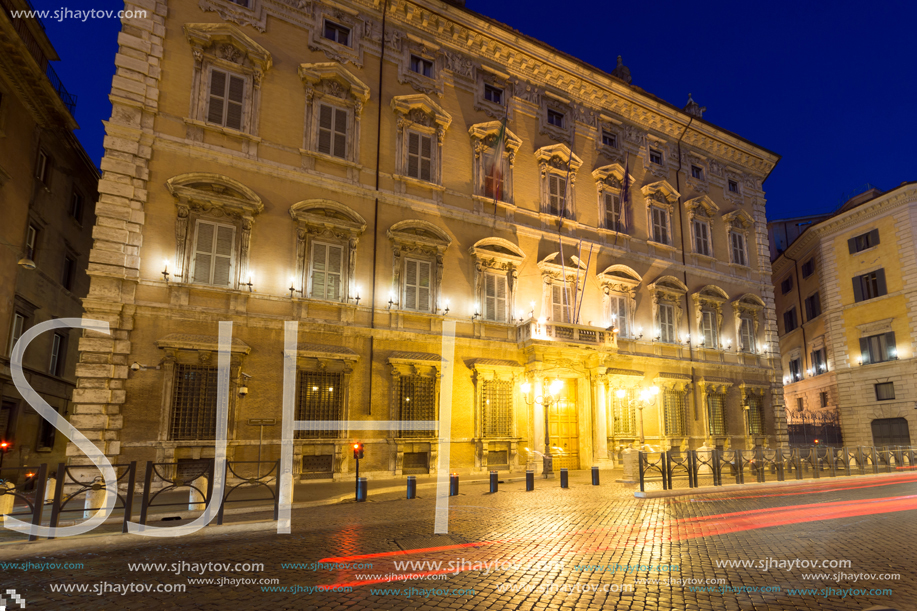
(214, 252)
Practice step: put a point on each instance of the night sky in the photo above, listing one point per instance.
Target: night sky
(831, 87)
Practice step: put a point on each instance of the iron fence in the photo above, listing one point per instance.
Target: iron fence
(714, 466)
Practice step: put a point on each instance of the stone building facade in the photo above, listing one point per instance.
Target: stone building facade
(47, 189)
(333, 163)
(846, 319)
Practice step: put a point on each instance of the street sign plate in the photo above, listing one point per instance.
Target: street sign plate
(262, 421)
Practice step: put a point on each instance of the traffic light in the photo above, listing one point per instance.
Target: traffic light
(6, 446)
(358, 450)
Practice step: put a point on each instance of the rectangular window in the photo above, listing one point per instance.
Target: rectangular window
(697, 172)
(227, 93)
(701, 238)
(214, 247)
(789, 320)
(708, 328)
(493, 94)
(819, 364)
(417, 285)
(716, 413)
(808, 268)
(747, 335)
(76, 207)
(555, 118)
(494, 182)
(863, 241)
(562, 303)
(420, 156)
(733, 186)
(495, 297)
(41, 167)
(337, 33)
(46, 434)
(609, 139)
(194, 403)
(786, 285)
(823, 398)
(618, 314)
(878, 348)
(497, 408)
(813, 306)
(332, 131)
(738, 248)
(240, 2)
(885, 391)
(869, 286)
(421, 66)
(660, 225)
(320, 398)
(67, 272)
(16, 330)
(675, 417)
(327, 271)
(416, 395)
(799, 404)
(557, 192)
(625, 413)
(614, 213)
(30, 242)
(58, 347)
(795, 370)
(655, 157)
(666, 323)
(755, 415)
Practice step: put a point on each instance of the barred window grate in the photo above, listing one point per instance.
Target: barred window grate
(497, 407)
(416, 402)
(320, 397)
(194, 403)
(675, 414)
(716, 413)
(755, 415)
(625, 415)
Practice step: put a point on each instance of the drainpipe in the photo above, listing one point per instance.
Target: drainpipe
(805, 344)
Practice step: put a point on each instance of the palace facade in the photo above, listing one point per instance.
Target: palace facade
(377, 169)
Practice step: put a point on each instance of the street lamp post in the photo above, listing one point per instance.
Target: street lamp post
(546, 400)
(647, 398)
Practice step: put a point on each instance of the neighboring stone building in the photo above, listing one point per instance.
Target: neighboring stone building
(846, 320)
(263, 163)
(47, 188)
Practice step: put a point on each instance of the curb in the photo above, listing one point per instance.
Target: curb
(657, 494)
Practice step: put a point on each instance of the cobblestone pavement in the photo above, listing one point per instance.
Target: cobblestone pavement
(579, 548)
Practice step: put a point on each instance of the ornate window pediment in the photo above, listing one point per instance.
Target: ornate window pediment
(200, 343)
(558, 166)
(660, 193)
(738, 220)
(418, 251)
(493, 178)
(326, 249)
(213, 225)
(228, 43)
(702, 207)
(421, 127)
(619, 287)
(497, 263)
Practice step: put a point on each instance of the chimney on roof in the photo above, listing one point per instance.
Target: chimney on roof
(695, 109)
(621, 71)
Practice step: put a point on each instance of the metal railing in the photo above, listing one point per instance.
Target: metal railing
(715, 466)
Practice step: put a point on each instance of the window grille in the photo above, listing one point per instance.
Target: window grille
(755, 415)
(320, 397)
(416, 395)
(625, 414)
(497, 407)
(497, 458)
(317, 467)
(716, 413)
(194, 403)
(675, 416)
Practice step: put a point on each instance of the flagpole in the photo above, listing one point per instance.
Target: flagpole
(563, 214)
(625, 195)
(501, 137)
(585, 277)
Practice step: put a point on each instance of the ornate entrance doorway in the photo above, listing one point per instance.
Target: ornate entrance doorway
(562, 428)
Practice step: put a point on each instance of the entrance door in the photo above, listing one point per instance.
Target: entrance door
(890, 432)
(562, 428)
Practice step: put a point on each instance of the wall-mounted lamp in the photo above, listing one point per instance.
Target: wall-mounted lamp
(243, 387)
(165, 270)
(446, 309)
(356, 299)
(639, 332)
(293, 288)
(135, 366)
(391, 300)
(251, 279)
(532, 312)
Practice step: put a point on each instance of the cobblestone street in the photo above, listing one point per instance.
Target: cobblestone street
(580, 548)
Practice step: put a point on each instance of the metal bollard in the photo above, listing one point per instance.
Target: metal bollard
(493, 481)
(564, 479)
(453, 484)
(529, 481)
(361, 490)
(595, 476)
(412, 487)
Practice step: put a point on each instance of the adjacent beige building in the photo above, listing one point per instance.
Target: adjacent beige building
(333, 163)
(47, 191)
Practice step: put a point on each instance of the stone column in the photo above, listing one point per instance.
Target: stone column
(601, 425)
(538, 421)
(114, 261)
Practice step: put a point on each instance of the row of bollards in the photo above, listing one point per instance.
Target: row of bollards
(494, 483)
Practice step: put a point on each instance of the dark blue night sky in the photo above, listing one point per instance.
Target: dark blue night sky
(829, 86)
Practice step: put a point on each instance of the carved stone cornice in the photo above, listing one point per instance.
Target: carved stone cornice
(215, 194)
(661, 193)
(228, 43)
(210, 343)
